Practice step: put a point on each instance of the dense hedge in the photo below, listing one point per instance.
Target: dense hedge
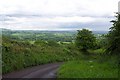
(18, 55)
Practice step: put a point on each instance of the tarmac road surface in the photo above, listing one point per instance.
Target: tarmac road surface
(41, 71)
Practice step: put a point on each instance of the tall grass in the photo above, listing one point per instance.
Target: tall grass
(89, 69)
(18, 55)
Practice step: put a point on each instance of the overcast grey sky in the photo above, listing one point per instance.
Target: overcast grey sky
(57, 14)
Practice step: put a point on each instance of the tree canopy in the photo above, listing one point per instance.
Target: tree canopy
(114, 37)
(85, 40)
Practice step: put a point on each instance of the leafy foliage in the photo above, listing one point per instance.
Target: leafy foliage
(114, 37)
(85, 40)
(102, 41)
(25, 54)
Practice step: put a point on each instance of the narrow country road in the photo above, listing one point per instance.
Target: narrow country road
(41, 71)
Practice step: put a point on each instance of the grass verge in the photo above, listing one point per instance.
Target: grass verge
(88, 69)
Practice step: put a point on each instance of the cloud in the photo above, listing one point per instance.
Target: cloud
(57, 14)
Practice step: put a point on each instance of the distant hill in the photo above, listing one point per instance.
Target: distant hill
(3, 29)
(39, 31)
(64, 36)
(100, 32)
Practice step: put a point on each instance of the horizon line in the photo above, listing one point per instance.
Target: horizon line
(48, 29)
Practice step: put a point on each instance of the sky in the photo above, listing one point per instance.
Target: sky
(57, 14)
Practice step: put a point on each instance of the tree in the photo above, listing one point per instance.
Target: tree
(52, 43)
(102, 41)
(85, 39)
(40, 42)
(114, 37)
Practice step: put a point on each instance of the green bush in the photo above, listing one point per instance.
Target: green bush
(18, 55)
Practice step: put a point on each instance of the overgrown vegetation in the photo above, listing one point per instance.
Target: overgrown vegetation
(85, 40)
(114, 37)
(104, 61)
(89, 69)
(21, 49)
(19, 54)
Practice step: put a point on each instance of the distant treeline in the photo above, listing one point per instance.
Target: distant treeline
(62, 36)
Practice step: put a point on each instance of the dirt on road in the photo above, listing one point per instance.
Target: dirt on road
(41, 71)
